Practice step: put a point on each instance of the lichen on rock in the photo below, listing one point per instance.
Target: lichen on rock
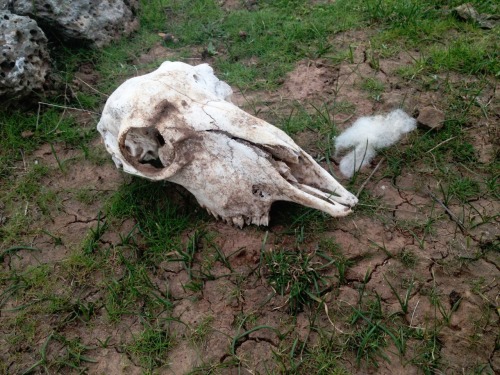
(95, 22)
(24, 59)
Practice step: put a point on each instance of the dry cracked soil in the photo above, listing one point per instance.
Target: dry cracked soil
(402, 234)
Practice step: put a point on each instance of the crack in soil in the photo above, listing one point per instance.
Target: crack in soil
(376, 267)
(367, 279)
(79, 221)
(128, 355)
(244, 279)
(264, 339)
(242, 340)
(490, 358)
(435, 261)
(491, 262)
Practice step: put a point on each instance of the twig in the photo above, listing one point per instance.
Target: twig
(328, 316)
(59, 122)
(413, 314)
(369, 177)
(440, 144)
(24, 160)
(448, 211)
(92, 88)
(65, 107)
(347, 119)
(37, 116)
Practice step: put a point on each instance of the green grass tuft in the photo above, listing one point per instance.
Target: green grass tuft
(296, 275)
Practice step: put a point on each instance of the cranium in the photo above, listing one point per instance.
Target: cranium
(177, 124)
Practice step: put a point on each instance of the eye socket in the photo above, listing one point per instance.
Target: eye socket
(142, 147)
(159, 138)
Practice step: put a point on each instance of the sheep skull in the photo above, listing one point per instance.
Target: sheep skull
(177, 124)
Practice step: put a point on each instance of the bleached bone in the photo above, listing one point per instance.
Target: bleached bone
(177, 124)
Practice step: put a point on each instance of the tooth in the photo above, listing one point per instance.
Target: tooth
(264, 220)
(238, 221)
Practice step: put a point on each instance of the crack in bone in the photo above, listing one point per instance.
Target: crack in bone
(213, 148)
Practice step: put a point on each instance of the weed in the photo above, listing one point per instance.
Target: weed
(427, 351)
(256, 48)
(202, 330)
(395, 13)
(374, 87)
(91, 244)
(187, 256)
(151, 345)
(86, 196)
(370, 336)
(97, 156)
(465, 55)
(134, 293)
(240, 336)
(219, 256)
(403, 302)
(48, 126)
(320, 359)
(408, 258)
(331, 251)
(369, 203)
(159, 221)
(477, 285)
(463, 188)
(215, 367)
(275, 36)
(446, 314)
(70, 356)
(296, 274)
(420, 229)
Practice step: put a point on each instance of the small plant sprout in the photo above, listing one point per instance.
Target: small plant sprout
(107, 272)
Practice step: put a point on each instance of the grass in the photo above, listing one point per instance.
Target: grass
(320, 120)
(72, 356)
(21, 134)
(159, 220)
(374, 87)
(151, 347)
(408, 258)
(300, 31)
(321, 359)
(133, 288)
(290, 273)
(200, 333)
(149, 264)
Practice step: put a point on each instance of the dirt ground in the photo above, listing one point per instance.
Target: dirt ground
(447, 259)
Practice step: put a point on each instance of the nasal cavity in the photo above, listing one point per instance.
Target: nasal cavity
(259, 192)
(143, 145)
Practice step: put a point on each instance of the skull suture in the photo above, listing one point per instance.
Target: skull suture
(177, 124)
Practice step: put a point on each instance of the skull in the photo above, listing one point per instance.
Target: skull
(178, 124)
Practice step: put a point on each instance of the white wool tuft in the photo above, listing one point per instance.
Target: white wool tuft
(369, 134)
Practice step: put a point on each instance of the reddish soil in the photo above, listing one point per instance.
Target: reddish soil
(450, 261)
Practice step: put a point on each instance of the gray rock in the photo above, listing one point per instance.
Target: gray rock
(24, 59)
(93, 22)
(430, 117)
(467, 12)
